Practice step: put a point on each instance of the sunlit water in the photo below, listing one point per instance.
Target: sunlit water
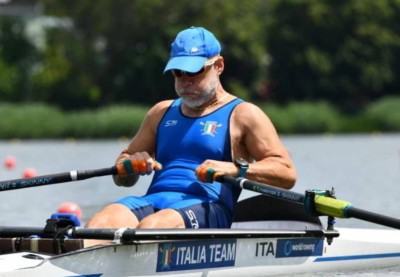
(363, 169)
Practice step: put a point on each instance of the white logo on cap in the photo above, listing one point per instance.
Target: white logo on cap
(194, 49)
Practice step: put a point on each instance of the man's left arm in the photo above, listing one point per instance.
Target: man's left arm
(272, 163)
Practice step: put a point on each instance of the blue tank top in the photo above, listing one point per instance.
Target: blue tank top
(183, 143)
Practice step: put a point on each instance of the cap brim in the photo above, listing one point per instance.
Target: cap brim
(186, 63)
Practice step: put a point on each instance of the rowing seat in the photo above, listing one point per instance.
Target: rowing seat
(265, 212)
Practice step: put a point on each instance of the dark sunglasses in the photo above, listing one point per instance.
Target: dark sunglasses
(179, 73)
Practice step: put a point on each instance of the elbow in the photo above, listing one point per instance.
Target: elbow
(290, 179)
(290, 183)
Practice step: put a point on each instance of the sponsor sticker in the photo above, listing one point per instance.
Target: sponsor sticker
(196, 255)
(299, 247)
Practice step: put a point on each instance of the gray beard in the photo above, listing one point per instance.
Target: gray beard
(206, 95)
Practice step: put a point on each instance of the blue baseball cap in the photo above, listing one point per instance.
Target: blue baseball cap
(191, 49)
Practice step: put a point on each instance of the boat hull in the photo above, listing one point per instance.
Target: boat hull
(355, 249)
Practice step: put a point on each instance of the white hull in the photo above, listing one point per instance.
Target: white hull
(355, 249)
(268, 238)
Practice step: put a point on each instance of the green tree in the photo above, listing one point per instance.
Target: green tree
(115, 50)
(343, 51)
(17, 58)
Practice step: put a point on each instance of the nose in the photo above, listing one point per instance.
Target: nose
(185, 80)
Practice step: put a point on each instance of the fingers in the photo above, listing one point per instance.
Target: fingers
(206, 174)
(157, 166)
(138, 165)
(209, 170)
(134, 166)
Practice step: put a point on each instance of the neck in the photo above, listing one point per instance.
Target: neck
(210, 104)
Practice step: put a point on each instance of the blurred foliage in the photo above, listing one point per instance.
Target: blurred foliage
(30, 121)
(303, 117)
(386, 114)
(116, 51)
(346, 52)
(108, 122)
(17, 57)
(341, 52)
(37, 121)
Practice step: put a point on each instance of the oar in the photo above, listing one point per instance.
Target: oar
(56, 178)
(319, 202)
(74, 175)
(313, 201)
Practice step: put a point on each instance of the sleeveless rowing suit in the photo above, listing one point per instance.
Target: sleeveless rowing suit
(183, 143)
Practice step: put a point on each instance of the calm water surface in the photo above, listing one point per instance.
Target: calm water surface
(363, 169)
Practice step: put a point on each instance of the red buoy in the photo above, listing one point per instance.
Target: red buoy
(29, 173)
(70, 208)
(10, 162)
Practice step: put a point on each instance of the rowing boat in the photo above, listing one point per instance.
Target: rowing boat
(258, 244)
(278, 232)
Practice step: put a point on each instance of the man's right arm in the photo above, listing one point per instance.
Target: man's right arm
(142, 146)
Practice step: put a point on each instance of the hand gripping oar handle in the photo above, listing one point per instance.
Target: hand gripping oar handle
(75, 175)
(320, 204)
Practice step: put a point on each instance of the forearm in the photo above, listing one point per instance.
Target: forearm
(274, 172)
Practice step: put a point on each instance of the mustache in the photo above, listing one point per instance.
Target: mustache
(180, 91)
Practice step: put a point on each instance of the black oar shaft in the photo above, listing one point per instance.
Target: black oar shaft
(262, 188)
(373, 217)
(11, 232)
(56, 178)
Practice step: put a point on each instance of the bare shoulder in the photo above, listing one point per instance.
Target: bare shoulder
(145, 138)
(155, 114)
(253, 134)
(157, 111)
(247, 114)
(247, 107)
(160, 107)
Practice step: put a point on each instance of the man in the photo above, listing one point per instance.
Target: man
(205, 128)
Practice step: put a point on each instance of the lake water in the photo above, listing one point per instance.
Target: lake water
(363, 169)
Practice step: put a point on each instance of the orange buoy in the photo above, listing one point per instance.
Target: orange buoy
(30, 172)
(10, 162)
(70, 208)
